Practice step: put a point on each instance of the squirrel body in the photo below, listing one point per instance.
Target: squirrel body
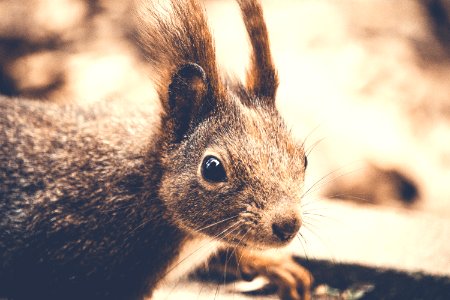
(101, 201)
(74, 180)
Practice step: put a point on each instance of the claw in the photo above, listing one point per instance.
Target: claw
(289, 279)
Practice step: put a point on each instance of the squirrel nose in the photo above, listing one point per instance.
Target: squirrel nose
(286, 228)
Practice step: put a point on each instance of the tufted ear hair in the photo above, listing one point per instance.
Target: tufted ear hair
(262, 78)
(189, 100)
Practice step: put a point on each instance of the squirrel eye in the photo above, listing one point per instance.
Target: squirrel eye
(306, 162)
(212, 170)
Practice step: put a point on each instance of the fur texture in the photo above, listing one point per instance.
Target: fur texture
(96, 202)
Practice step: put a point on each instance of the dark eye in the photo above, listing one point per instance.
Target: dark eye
(212, 170)
(306, 162)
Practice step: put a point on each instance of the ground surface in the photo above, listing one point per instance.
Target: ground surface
(401, 255)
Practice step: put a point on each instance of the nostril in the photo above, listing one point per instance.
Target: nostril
(286, 229)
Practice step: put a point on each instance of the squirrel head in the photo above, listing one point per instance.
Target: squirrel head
(231, 169)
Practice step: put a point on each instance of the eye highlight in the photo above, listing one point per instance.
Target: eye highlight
(213, 170)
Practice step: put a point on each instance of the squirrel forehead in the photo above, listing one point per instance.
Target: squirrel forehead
(256, 137)
(264, 129)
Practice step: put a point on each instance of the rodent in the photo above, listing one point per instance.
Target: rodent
(97, 201)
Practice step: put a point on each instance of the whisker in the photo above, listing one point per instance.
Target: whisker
(314, 214)
(310, 134)
(238, 260)
(322, 181)
(225, 268)
(139, 226)
(225, 234)
(218, 236)
(217, 291)
(201, 290)
(239, 243)
(216, 223)
(321, 240)
(300, 237)
(310, 201)
(313, 146)
(243, 237)
(230, 228)
(322, 218)
(351, 197)
(322, 208)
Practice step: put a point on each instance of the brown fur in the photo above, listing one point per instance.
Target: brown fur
(97, 202)
(262, 79)
(179, 37)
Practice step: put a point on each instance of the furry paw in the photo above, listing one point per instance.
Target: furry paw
(291, 280)
(278, 273)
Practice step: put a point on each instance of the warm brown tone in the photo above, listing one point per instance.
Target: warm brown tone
(98, 201)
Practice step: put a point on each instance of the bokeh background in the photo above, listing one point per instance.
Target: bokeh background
(365, 83)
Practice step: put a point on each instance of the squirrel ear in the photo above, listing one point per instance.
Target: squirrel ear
(262, 78)
(186, 103)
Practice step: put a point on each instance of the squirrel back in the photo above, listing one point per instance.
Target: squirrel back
(96, 202)
(74, 186)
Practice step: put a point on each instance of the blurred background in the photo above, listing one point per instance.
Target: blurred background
(366, 84)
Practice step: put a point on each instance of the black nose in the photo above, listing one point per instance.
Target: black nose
(286, 228)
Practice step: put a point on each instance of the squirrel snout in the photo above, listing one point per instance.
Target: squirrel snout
(286, 228)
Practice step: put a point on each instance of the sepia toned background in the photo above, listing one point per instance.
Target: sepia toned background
(366, 84)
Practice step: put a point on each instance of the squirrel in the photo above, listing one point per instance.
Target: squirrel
(100, 201)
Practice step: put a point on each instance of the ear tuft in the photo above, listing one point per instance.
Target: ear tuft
(187, 93)
(262, 78)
